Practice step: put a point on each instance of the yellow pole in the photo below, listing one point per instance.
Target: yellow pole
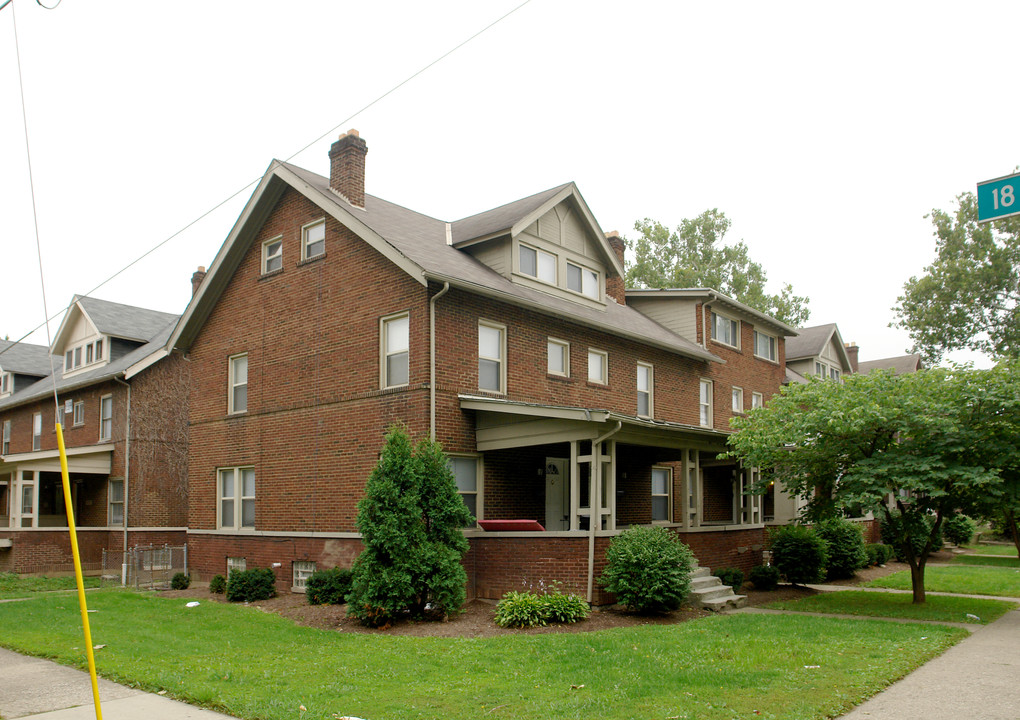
(77, 572)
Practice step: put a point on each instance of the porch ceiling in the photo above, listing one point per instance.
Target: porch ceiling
(502, 424)
(92, 459)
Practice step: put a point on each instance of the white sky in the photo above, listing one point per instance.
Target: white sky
(826, 132)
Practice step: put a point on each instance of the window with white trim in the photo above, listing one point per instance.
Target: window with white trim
(738, 400)
(466, 474)
(6, 383)
(5, 449)
(313, 239)
(705, 403)
(83, 355)
(236, 563)
(583, 280)
(765, 346)
(272, 255)
(236, 491)
(106, 417)
(37, 431)
(820, 370)
(598, 366)
(237, 393)
(491, 354)
(302, 570)
(725, 330)
(79, 412)
(537, 263)
(115, 497)
(834, 374)
(396, 343)
(27, 501)
(558, 362)
(662, 484)
(645, 377)
(757, 400)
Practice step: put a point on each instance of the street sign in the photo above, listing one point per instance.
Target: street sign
(999, 198)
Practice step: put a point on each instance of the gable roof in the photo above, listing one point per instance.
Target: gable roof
(812, 341)
(24, 359)
(418, 244)
(707, 294)
(114, 319)
(900, 364)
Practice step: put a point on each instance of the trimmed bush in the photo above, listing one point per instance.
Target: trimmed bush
(328, 587)
(799, 554)
(845, 545)
(897, 531)
(649, 569)
(180, 581)
(734, 577)
(218, 584)
(528, 609)
(765, 577)
(251, 585)
(878, 554)
(959, 529)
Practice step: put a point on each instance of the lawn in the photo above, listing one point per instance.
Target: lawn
(998, 561)
(937, 608)
(253, 664)
(1008, 550)
(969, 580)
(13, 585)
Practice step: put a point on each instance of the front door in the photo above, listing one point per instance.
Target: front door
(557, 494)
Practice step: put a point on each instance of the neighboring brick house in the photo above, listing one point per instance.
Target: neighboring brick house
(119, 396)
(329, 314)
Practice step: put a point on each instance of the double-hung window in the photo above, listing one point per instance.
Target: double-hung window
(237, 395)
(757, 400)
(115, 492)
(237, 498)
(558, 362)
(662, 482)
(820, 369)
(272, 255)
(313, 240)
(5, 449)
(582, 280)
(738, 400)
(834, 374)
(725, 330)
(37, 431)
(106, 417)
(598, 366)
(538, 264)
(764, 346)
(491, 355)
(79, 412)
(6, 383)
(396, 342)
(644, 390)
(705, 403)
(465, 472)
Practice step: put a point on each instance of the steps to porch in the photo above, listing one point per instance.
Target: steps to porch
(708, 592)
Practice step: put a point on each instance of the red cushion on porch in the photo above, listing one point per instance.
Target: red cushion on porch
(510, 525)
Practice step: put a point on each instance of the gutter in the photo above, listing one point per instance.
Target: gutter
(432, 359)
(595, 477)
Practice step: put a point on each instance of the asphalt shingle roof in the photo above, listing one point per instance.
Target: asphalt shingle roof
(810, 342)
(24, 359)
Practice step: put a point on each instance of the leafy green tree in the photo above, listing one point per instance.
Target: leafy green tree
(694, 256)
(410, 520)
(923, 439)
(969, 297)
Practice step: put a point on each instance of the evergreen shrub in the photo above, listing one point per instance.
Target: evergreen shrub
(898, 530)
(959, 529)
(251, 585)
(765, 577)
(649, 569)
(328, 587)
(734, 577)
(218, 584)
(799, 554)
(180, 581)
(845, 545)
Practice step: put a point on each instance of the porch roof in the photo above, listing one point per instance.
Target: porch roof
(501, 423)
(94, 459)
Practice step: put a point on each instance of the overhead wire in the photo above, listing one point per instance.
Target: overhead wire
(329, 132)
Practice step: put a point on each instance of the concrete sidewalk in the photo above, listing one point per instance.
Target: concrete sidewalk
(32, 687)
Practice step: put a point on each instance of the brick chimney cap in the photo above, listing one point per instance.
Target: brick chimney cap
(353, 132)
(613, 233)
(201, 268)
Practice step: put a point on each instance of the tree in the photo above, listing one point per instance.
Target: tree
(693, 256)
(968, 297)
(410, 521)
(923, 439)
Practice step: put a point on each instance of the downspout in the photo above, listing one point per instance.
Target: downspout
(596, 496)
(432, 359)
(127, 475)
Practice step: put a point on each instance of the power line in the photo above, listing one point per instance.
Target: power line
(288, 159)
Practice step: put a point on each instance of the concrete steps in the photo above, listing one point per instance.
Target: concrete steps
(708, 592)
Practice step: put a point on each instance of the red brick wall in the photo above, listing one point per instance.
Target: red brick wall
(39, 551)
(734, 548)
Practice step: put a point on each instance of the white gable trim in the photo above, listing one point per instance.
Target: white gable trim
(60, 340)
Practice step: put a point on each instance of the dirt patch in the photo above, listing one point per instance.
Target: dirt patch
(477, 618)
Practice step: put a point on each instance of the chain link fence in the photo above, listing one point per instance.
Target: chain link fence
(144, 566)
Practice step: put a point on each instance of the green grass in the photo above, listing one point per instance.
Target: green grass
(1007, 550)
(14, 586)
(937, 608)
(253, 664)
(969, 580)
(997, 561)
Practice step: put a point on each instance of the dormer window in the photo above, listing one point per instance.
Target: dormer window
(582, 280)
(6, 383)
(83, 355)
(538, 264)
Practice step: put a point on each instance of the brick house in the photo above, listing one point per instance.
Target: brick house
(124, 421)
(568, 411)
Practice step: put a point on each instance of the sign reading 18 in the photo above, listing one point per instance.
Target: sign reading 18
(1003, 197)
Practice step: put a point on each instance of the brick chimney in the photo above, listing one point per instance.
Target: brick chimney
(615, 285)
(196, 280)
(851, 352)
(347, 167)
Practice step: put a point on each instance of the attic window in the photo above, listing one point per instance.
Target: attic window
(83, 355)
(313, 239)
(583, 280)
(6, 383)
(538, 264)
